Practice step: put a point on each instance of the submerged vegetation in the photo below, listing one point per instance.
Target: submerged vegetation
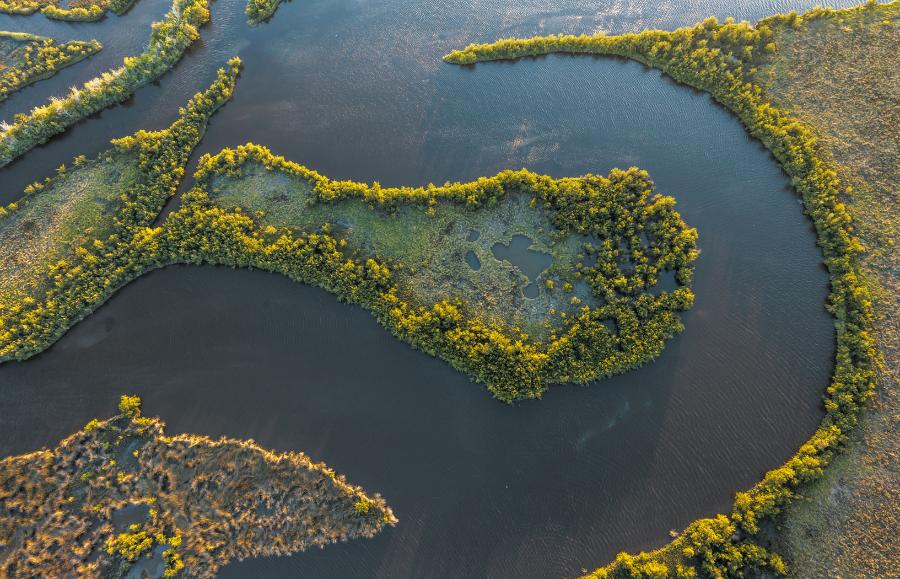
(725, 60)
(169, 39)
(75, 10)
(119, 498)
(26, 59)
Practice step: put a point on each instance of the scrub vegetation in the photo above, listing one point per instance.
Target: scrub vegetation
(379, 259)
(738, 64)
(424, 233)
(26, 59)
(120, 498)
(379, 247)
(169, 38)
(98, 213)
(629, 236)
(75, 10)
(260, 10)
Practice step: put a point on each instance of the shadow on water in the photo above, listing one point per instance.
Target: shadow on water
(542, 488)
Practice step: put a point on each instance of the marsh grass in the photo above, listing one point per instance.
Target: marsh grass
(72, 209)
(198, 502)
(430, 246)
(841, 75)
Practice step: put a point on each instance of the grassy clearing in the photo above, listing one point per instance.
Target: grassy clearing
(841, 75)
(430, 247)
(26, 59)
(64, 212)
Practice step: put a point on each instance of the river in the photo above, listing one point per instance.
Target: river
(357, 90)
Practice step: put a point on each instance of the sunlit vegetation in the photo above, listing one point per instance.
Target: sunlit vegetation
(840, 73)
(78, 236)
(261, 10)
(725, 60)
(26, 59)
(631, 238)
(56, 216)
(396, 251)
(75, 10)
(203, 503)
(169, 38)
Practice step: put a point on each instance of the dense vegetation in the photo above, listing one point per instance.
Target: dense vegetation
(26, 58)
(722, 59)
(260, 10)
(627, 329)
(79, 280)
(196, 503)
(636, 238)
(169, 39)
(76, 10)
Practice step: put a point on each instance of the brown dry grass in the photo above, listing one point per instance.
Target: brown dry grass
(842, 76)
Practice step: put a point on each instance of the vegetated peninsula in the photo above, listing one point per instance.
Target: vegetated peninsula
(169, 39)
(75, 10)
(99, 205)
(120, 498)
(806, 87)
(612, 239)
(27, 58)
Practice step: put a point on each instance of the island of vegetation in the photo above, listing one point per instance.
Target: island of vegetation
(753, 71)
(27, 58)
(261, 10)
(169, 39)
(75, 10)
(120, 498)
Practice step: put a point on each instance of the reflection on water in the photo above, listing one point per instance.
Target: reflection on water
(357, 90)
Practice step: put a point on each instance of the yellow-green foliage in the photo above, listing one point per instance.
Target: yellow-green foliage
(57, 217)
(130, 406)
(616, 210)
(169, 38)
(76, 10)
(722, 59)
(840, 74)
(26, 58)
(259, 10)
(81, 281)
(129, 546)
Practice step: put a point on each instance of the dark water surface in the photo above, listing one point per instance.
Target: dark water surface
(357, 90)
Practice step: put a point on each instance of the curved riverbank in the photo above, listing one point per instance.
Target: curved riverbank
(723, 60)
